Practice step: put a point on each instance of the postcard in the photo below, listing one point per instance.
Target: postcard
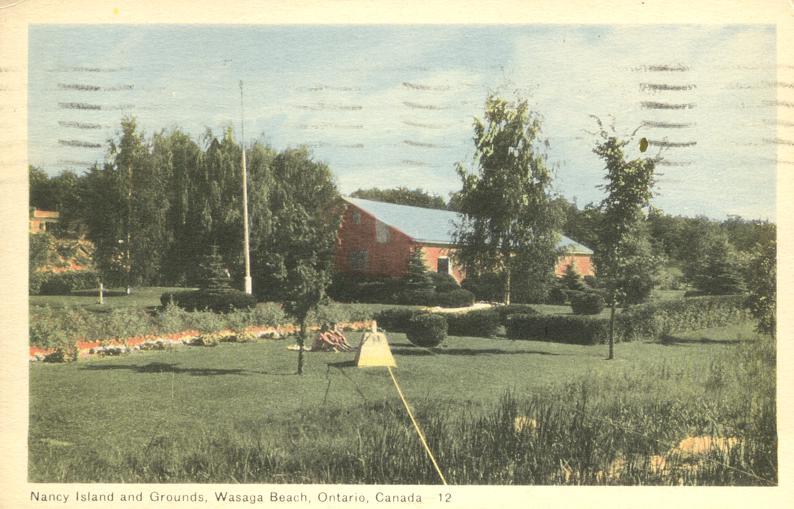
(354, 254)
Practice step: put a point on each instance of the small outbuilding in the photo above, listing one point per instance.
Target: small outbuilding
(376, 239)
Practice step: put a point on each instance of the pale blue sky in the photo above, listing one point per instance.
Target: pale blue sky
(393, 105)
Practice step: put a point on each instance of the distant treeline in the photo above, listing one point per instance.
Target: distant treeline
(157, 204)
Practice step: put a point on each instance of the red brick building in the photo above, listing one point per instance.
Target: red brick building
(376, 239)
(40, 219)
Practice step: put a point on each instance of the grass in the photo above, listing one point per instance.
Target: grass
(237, 413)
(145, 297)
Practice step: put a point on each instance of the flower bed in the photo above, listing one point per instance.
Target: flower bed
(159, 342)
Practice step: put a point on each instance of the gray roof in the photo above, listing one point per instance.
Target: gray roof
(432, 226)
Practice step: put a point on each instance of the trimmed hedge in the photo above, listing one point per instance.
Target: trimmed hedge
(427, 329)
(580, 330)
(514, 309)
(219, 301)
(394, 319)
(369, 289)
(62, 283)
(641, 322)
(481, 323)
(454, 299)
(586, 303)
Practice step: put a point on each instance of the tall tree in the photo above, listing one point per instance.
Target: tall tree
(510, 222)
(402, 196)
(295, 251)
(622, 246)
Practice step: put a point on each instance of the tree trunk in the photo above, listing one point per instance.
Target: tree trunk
(612, 329)
(301, 342)
(507, 286)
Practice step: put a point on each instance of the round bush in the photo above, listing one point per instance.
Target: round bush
(455, 299)
(427, 330)
(587, 303)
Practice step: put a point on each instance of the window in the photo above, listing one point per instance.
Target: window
(382, 235)
(443, 265)
(358, 260)
(356, 217)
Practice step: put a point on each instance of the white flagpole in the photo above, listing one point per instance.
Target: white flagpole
(246, 254)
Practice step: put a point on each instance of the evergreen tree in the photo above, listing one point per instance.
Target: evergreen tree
(571, 279)
(417, 278)
(214, 275)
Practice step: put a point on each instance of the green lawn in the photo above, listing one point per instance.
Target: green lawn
(140, 297)
(102, 411)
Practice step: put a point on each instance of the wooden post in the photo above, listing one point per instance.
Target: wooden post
(101, 293)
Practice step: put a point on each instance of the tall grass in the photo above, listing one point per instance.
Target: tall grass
(597, 429)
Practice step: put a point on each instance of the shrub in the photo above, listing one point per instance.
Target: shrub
(443, 282)
(580, 330)
(481, 323)
(571, 279)
(591, 281)
(647, 321)
(557, 296)
(641, 322)
(63, 283)
(514, 309)
(394, 319)
(455, 299)
(222, 301)
(427, 329)
(587, 303)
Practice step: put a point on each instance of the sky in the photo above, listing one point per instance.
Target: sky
(389, 106)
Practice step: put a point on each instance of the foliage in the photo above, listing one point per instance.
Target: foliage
(402, 196)
(417, 276)
(40, 251)
(514, 309)
(762, 287)
(571, 279)
(443, 282)
(219, 301)
(426, 329)
(715, 268)
(63, 283)
(394, 319)
(587, 303)
(580, 330)
(557, 296)
(479, 323)
(346, 287)
(643, 322)
(623, 255)
(509, 219)
(213, 275)
(487, 287)
(295, 252)
(459, 298)
(425, 297)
